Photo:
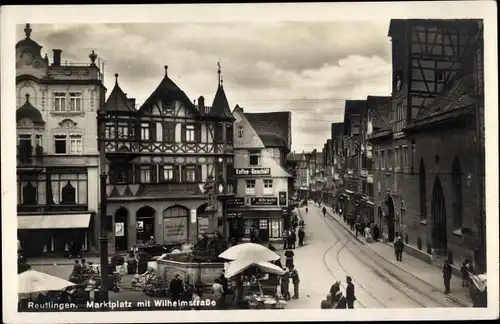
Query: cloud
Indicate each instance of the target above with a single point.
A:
(308, 68)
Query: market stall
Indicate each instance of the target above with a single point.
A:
(253, 276)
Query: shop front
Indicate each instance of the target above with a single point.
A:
(53, 234)
(260, 215)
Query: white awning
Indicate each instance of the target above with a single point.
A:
(348, 191)
(53, 221)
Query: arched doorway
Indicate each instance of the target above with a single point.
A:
(175, 224)
(456, 176)
(422, 190)
(438, 210)
(145, 224)
(121, 229)
(391, 232)
(204, 219)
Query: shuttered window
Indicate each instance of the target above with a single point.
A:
(169, 132)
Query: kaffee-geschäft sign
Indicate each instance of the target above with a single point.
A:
(252, 171)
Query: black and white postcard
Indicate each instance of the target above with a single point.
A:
(250, 162)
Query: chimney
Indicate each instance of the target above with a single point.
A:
(57, 57)
(201, 104)
(132, 102)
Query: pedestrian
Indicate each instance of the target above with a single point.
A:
(301, 222)
(324, 211)
(376, 232)
(176, 288)
(285, 284)
(225, 285)
(285, 239)
(301, 235)
(335, 288)
(327, 303)
(357, 225)
(447, 276)
(398, 248)
(349, 292)
(218, 293)
(289, 239)
(295, 280)
(289, 258)
(294, 238)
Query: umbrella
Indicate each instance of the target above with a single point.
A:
(32, 281)
(239, 266)
(249, 252)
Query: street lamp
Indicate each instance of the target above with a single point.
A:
(103, 239)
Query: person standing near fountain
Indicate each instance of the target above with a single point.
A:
(176, 288)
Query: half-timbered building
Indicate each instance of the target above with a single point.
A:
(159, 158)
(429, 153)
(57, 156)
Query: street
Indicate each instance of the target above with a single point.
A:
(331, 253)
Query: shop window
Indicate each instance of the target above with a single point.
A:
(263, 223)
(276, 228)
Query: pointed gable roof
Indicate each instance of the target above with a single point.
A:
(28, 111)
(379, 108)
(220, 106)
(117, 100)
(168, 88)
(273, 127)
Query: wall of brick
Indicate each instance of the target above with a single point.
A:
(404, 186)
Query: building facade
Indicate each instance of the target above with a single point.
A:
(353, 115)
(262, 142)
(339, 196)
(430, 189)
(57, 156)
(160, 158)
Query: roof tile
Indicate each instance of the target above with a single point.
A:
(272, 123)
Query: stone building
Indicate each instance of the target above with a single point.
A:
(57, 156)
(429, 168)
(160, 158)
(262, 142)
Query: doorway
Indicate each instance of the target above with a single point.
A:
(390, 219)
(145, 224)
(264, 230)
(121, 229)
(438, 210)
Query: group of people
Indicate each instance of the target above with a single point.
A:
(335, 298)
(184, 291)
(369, 230)
(296, 231)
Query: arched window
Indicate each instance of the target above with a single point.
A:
(175, 224)
(422, 191)
(456, 175)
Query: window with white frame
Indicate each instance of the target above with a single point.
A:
(59, 101)
(268, 186)
(75, 144)
(190, 133)
(168, 172)
(250, 187)
(75, 102)
(254, 159)
(145, 172)
(190, 173)
(145, 131)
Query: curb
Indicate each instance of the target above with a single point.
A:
(347, 230)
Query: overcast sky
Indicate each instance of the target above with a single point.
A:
(306, 68)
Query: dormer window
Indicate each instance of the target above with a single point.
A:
(240, 132)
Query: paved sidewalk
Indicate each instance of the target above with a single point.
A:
(426, 272)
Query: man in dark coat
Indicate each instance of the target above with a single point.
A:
(398, 249)
(447, 276)
(224, 282)
(294, 274)
(176, 287)
(349, 293)
(301, 235)
(294, 238)
(289, 258)
(285, 284)
(324, 211)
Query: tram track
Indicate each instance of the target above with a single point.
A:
(398, 283)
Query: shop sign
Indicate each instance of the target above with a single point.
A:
(234, 214)
(264, 201)
(192, 216)
(120, 229)
(252, 171)
(203, 225)
(282, 198)
(174, 229)
(235, 201)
